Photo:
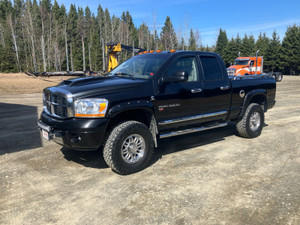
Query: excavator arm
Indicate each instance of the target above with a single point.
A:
(112, 49)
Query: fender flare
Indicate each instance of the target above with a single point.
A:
(131, 105)
(249, 96)
(137, 105)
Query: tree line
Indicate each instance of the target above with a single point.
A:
(41, 36)
(278, 55)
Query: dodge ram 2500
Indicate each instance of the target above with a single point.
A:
(152, 96)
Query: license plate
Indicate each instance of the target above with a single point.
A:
(45, 135)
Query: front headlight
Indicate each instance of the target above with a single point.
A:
(90, 107)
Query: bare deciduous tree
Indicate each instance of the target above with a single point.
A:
(13, 34)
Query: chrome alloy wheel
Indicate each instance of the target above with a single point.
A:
(255, 121)
(133, 148)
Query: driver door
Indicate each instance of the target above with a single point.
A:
(178, 102)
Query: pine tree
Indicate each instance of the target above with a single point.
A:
(133, 36)
(231, 52)
(102, 41)
(290, 51)
(272, 59)
(168, 36)
(75, 39)
(262, 44)
(221, 43)
(192, 41)
(248, 46)
(81, 26)
(107, 26)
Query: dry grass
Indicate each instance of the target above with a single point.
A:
(20, 83)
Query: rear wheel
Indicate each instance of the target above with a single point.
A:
(250, 126)
(128, 148)
(279, 78)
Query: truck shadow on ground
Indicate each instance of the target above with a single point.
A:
(18, 128)
(166, 146)
(93, 159)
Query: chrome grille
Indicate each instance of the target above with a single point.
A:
(230, 72)
(56, 105)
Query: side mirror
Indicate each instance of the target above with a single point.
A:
(179, 76)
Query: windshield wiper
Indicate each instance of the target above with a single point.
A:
(123, 74)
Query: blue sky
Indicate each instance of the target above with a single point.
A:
(208, 16)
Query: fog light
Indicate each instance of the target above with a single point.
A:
(76, 139)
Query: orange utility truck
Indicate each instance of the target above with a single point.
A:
(252, 65)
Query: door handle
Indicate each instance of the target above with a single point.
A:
(197, 90)
(224, 88)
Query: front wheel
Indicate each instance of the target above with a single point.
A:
(128, 148)
(251, 125)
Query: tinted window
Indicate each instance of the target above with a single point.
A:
(211, 67)
(188, 64)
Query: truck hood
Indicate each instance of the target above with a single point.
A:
(237, 67)
(99, 85)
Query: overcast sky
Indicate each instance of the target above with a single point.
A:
(208, 16)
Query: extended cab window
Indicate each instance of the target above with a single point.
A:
(211, 68)
(188, 64)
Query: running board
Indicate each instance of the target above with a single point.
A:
(192, 130)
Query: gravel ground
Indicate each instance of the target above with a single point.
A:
(213, 177)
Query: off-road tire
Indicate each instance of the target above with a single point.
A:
(112, 152)
(243, 125)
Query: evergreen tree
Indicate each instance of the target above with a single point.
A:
(133, 36)
(107, 26)
(192, 41)
(262, 44)
(75, 39)
(81, 26)
(290, 51)
(231, 52)
(248, 46)
(168, 36)
(272, 59)
(221, 43)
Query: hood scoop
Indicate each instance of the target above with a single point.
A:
(82, 81)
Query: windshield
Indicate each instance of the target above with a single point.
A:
(241, 62)
(141, 66)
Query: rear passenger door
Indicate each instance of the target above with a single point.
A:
(216, 89)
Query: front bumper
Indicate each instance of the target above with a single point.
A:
(75, 133)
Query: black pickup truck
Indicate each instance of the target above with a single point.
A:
(152, 96)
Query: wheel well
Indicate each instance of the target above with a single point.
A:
(140, 115)
(261, 100)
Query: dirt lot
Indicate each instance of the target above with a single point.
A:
(213, 177)
(20, 83)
